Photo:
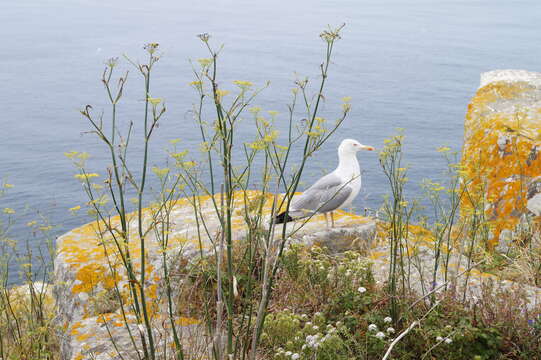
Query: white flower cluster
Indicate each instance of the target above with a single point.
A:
(447, 340)
(353, 266)
(315, 341)
(381, 334)
(289, 354)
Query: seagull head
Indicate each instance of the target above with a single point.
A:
(350, 146)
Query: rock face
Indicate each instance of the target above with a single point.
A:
(502, 145)
(461, 275)
(88, 270)
(534, 196)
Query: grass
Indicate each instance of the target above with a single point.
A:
(319, 294)
(27, 310)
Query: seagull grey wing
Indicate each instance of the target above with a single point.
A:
(326, 182)
(327, 194)
(334, 198)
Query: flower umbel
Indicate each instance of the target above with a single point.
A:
(204, 37)
(331, 35)
(74, 209)
(243, 84)
(151, 47)
(154, 101)
(85, 176)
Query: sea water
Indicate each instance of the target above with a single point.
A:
(405, 64)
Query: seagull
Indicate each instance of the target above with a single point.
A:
(333, 191)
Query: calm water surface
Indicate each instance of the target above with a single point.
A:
(406, 64)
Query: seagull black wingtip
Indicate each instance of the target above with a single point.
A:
(281, 218)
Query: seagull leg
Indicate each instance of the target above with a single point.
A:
(326, 220)
(332, 218)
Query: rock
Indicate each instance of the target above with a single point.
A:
(337, 240)
(534, 196)
(504, 241)
(88, 269)
(501, 146)
(493, 76)
(21, 297)
(420, 265)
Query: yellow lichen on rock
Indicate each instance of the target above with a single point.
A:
(186, 321)
(501, 149)
(89, 266)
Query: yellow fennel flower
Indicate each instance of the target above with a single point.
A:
(221, 93)
(161, 173)
(444, 149)
(242, 84)
(85, 176)
(204, 62)
(154, 101)
(75, 209)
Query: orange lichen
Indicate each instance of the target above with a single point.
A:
(89, 276)
(501, 152)
(95, 255)
(187, 321)
(83, 337)
(75, 327)
(103, 318)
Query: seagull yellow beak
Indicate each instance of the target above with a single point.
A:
(369, 148)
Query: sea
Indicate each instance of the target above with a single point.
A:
(406, 64)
